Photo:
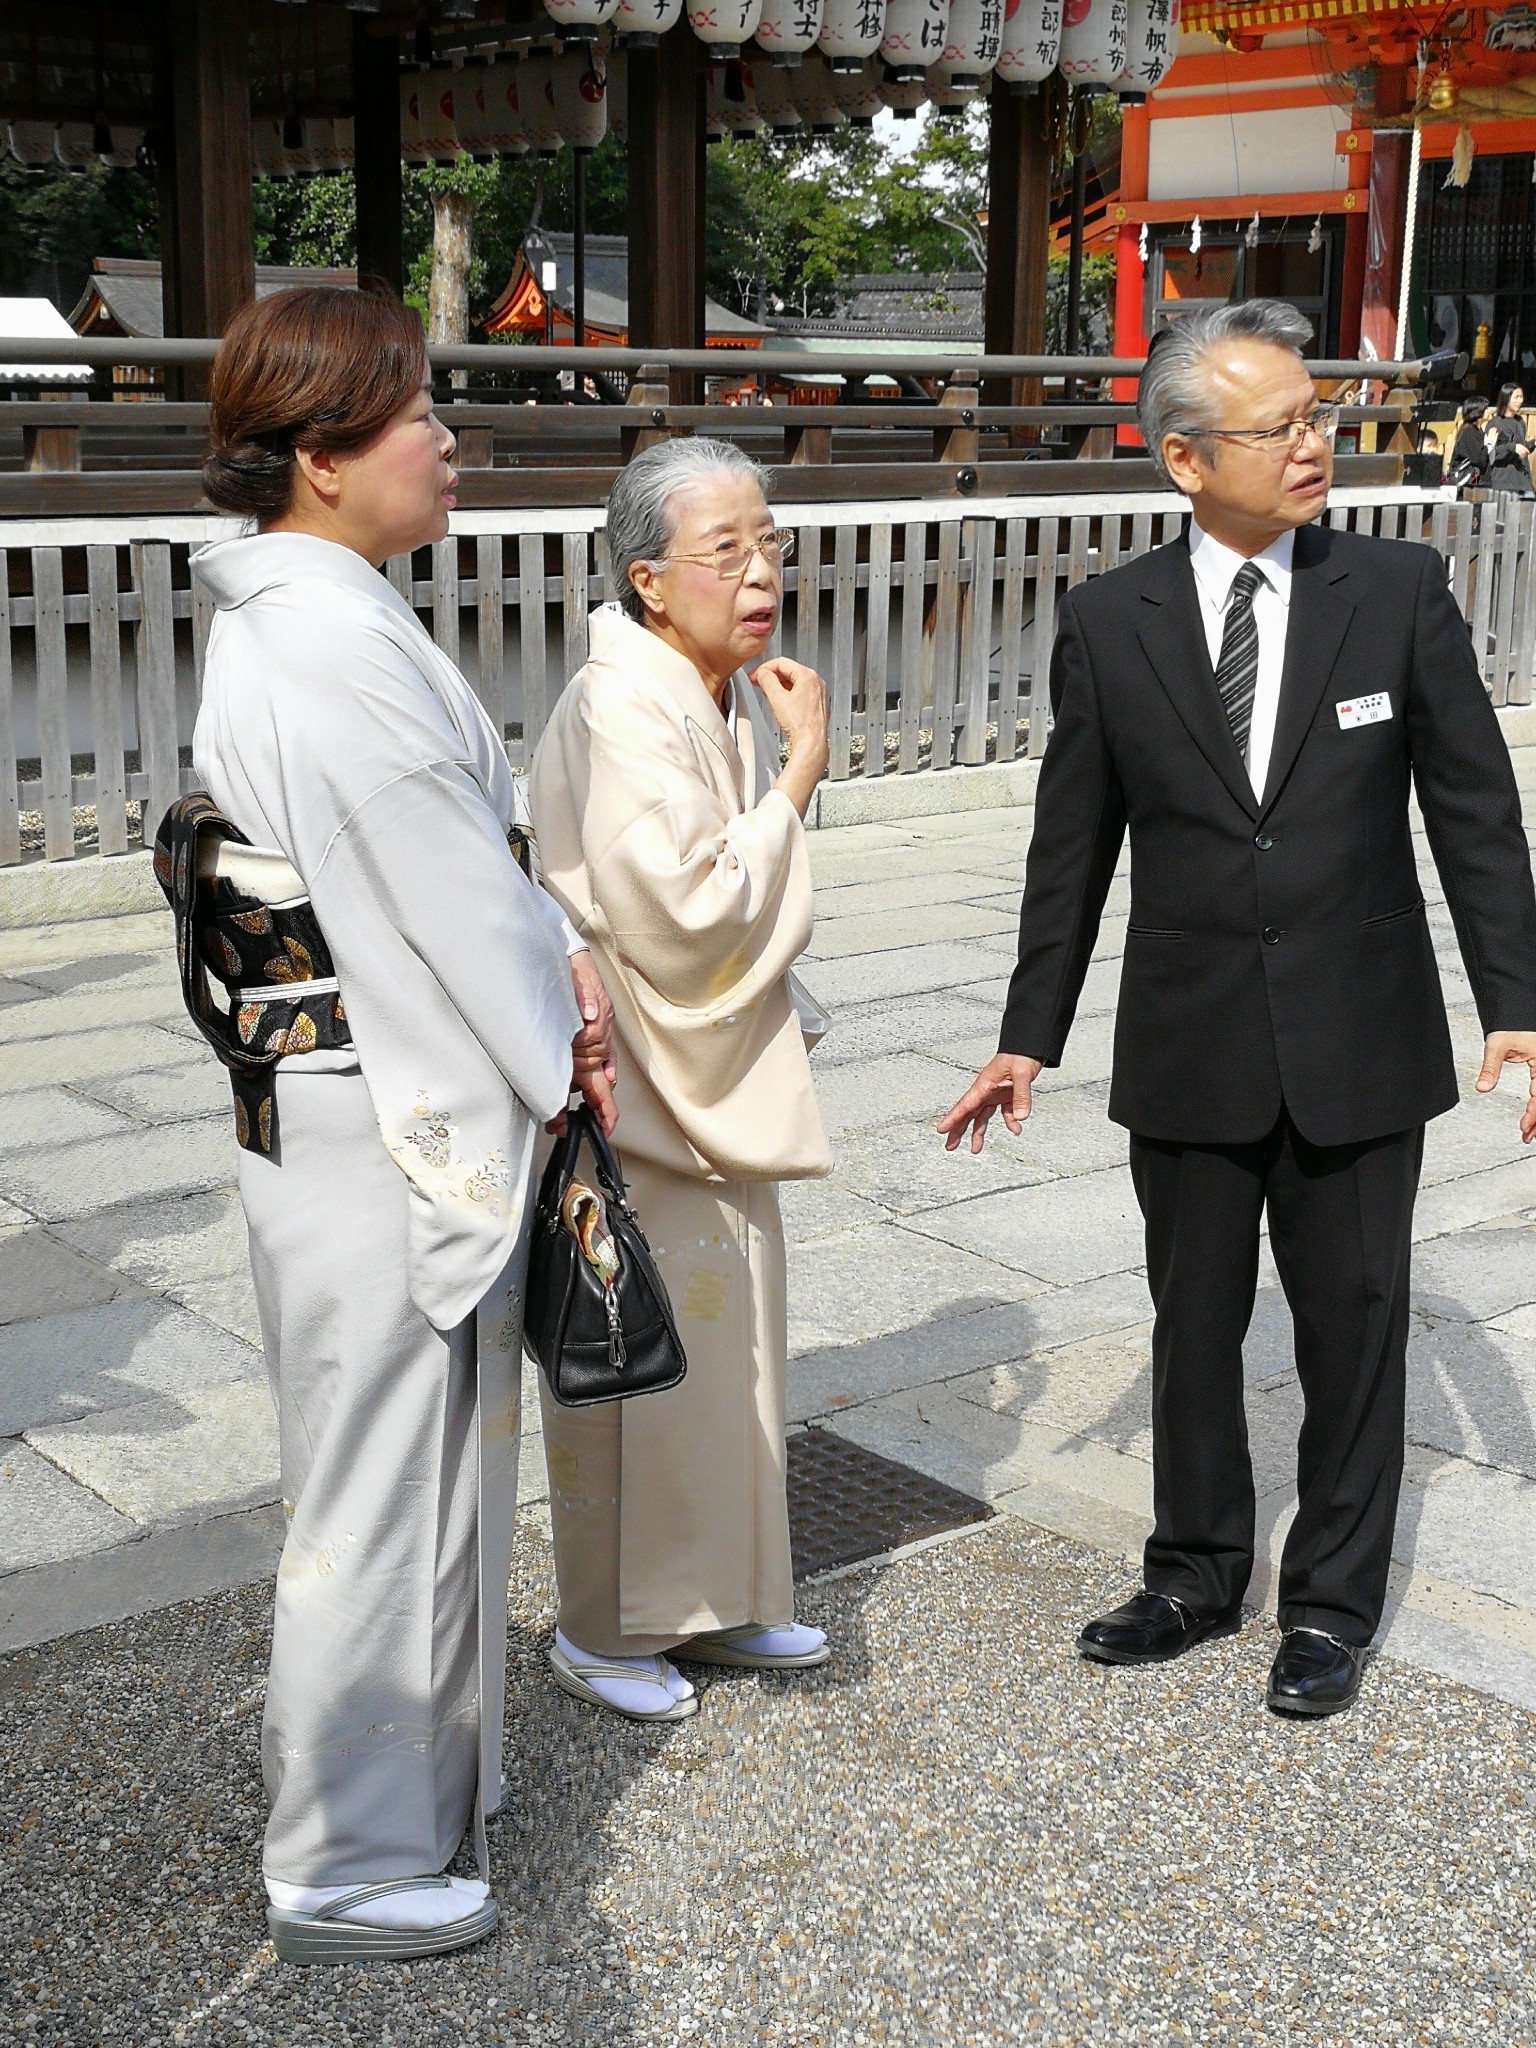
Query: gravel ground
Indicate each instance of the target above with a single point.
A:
(956, 1833)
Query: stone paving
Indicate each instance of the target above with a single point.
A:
(984, 1319)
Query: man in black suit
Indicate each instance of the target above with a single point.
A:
(1254, 704)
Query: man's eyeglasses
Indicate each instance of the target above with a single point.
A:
(729, 558)
(1322, 420)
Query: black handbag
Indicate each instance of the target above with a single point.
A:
(597, 1317)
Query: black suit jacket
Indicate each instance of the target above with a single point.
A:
(1278, 948)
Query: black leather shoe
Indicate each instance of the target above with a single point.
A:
(1152, 1627)
(1314, 1673)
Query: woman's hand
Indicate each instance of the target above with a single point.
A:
(594, 1064)
(797, 700)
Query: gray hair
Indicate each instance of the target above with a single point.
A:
(641, 523)
(1173, 398)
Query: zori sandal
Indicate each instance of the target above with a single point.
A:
(750, 1648)
(574, 1675)
(324, 1937)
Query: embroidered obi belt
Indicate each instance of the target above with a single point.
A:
(270, 958)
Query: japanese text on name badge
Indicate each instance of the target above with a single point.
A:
(1364, 710)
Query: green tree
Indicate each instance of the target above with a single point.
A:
(306, 221)
(53, 221)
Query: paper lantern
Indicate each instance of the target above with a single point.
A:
(775, 101)
(413, 148)
(972, 49)
(581, 98)
(915, 34)
(858, 93)
(788, 28)
(267, 153)
(646, 21)
(851, 30)
(724, 25)
(1093, 41)
(811, 85)
(717, 124)
(434, 108)
(497, 119)
(904, 95)
(948, 95)
(323, 150)
(72, 145)
(580, 20)
(1152, 43)
(536, 98)
(32, 143)
(738, 100)
(730, 103)
(126, 144)
(1031, 43)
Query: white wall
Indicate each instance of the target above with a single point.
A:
(1222, 156)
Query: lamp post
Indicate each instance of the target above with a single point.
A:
(549, 277)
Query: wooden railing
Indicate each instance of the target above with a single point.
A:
(932, 622)
(947, 437)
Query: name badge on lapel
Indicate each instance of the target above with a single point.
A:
(1372, 710)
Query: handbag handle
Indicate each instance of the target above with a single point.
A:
(581, 1124)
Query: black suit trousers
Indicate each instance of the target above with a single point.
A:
(1340, 1222)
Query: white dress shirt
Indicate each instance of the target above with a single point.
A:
(1216, 567)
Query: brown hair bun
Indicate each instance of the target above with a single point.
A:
(312, 367)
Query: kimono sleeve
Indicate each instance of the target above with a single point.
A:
(422, 864)
(709, 905)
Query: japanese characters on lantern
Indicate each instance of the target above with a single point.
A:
(915, 34)
(788, 28)
(974, 45)
(1093, 41)
(724, 24)
(1031, 42)
(1152, 43)
(851, 30)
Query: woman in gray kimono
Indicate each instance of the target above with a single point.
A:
(386, 1183)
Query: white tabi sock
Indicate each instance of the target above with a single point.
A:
(412, 1910)
(633, 1698)
(792, 1640)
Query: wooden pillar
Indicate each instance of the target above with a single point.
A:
(1130, 334)
(209, 270)
(666, 198)
(376, 162)
(1347, 274)
(1391, 154)
(1018, 239)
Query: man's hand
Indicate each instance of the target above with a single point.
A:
(1500, 1049)
(1003, 1083)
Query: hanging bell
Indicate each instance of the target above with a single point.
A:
(1443, 94)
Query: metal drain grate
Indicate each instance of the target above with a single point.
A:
(846, 1503)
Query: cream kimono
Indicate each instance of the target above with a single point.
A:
(687, 873)
(334, 731)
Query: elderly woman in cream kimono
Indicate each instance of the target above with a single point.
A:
(676, 845)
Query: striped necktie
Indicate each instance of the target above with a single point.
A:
(1237, 672)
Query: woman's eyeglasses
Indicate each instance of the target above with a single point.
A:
(729, 558)
(1323, 420)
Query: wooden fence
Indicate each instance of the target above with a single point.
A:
(932, 623)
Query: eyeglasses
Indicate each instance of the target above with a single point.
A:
(1323, 420)
(729, 559)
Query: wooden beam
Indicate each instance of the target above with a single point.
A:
(376, 164)
(666, 197)
(214, 273)
(1018, 239)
